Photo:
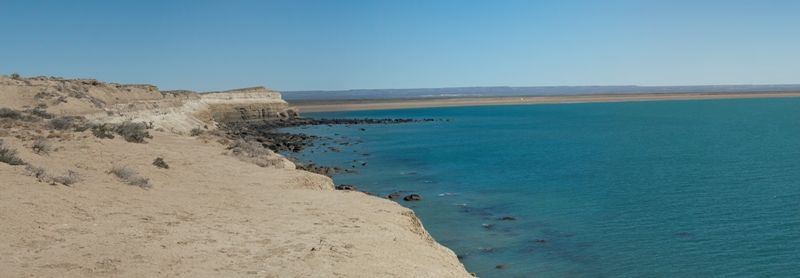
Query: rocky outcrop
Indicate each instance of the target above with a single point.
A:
(246, 104)
(178, 111)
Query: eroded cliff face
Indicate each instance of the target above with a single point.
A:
(269, 219)
(177, 111)
(246, 104)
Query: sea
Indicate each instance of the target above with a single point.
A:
(700, 188)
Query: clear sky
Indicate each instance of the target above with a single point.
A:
(340, 44)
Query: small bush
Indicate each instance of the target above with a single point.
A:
(131, 177)
(41, 146)
(62, 123)
(196, 131)
(103, 131)
(10, 114)
(41, 113)
(160, 163)
(41, 174)
(130, 131)
(69, 179)
(9, 155)
(255, 153)
(133, 132)
(38, 172)
(15, 75)
(7, 113)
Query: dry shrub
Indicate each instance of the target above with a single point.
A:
(70, 178)
(10, 113)
(9, 155)
(133, 132)
(130, 131)
(62, 123)
(41, 113)
(103, 131)
(38, 172)
(160, 163)
(196, 131)
(254, 152)
(130, 176)
(42, 175)
(41, 146)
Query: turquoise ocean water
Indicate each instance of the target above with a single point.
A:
(637, 189)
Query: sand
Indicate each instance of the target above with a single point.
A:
(382, 104)
(210, 214)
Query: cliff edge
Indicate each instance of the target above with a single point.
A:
(88, 194)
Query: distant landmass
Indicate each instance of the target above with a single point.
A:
(526, 91)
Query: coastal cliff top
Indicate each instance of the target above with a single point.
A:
(120, 195)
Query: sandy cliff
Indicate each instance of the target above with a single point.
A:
(210, 214)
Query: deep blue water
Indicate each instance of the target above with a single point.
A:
(638, 189)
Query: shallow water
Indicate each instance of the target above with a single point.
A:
(636, 189)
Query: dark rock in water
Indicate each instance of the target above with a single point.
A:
(345, 187)
(487, 226)
(363, 164)
(362, 129)
(322, 170)
(264, 131)
(393, 195)
(506, 218)
(539, 240)
(461, 257)
(487, 250)
(412, 197)
(500, 266)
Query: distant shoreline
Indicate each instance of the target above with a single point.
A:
(386, 104)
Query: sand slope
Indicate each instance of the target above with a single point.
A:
(208, 215)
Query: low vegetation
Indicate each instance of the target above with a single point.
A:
(160, 163)
(40, 112)
(70, 178)
(130, 176)
(133, 132)
(42, 175)
(8, 155)
(196, 131)
(41, 146)
(255, 153)
(63, 123)
(38, 172)
(30, 115)
(130, 131)
(103, 131)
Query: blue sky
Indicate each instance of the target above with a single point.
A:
(339, 44)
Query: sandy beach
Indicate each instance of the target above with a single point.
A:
(381, 104)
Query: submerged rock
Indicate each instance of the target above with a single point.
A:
(393, 195)
(412, 197)
(506, 218)
(345, 187)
